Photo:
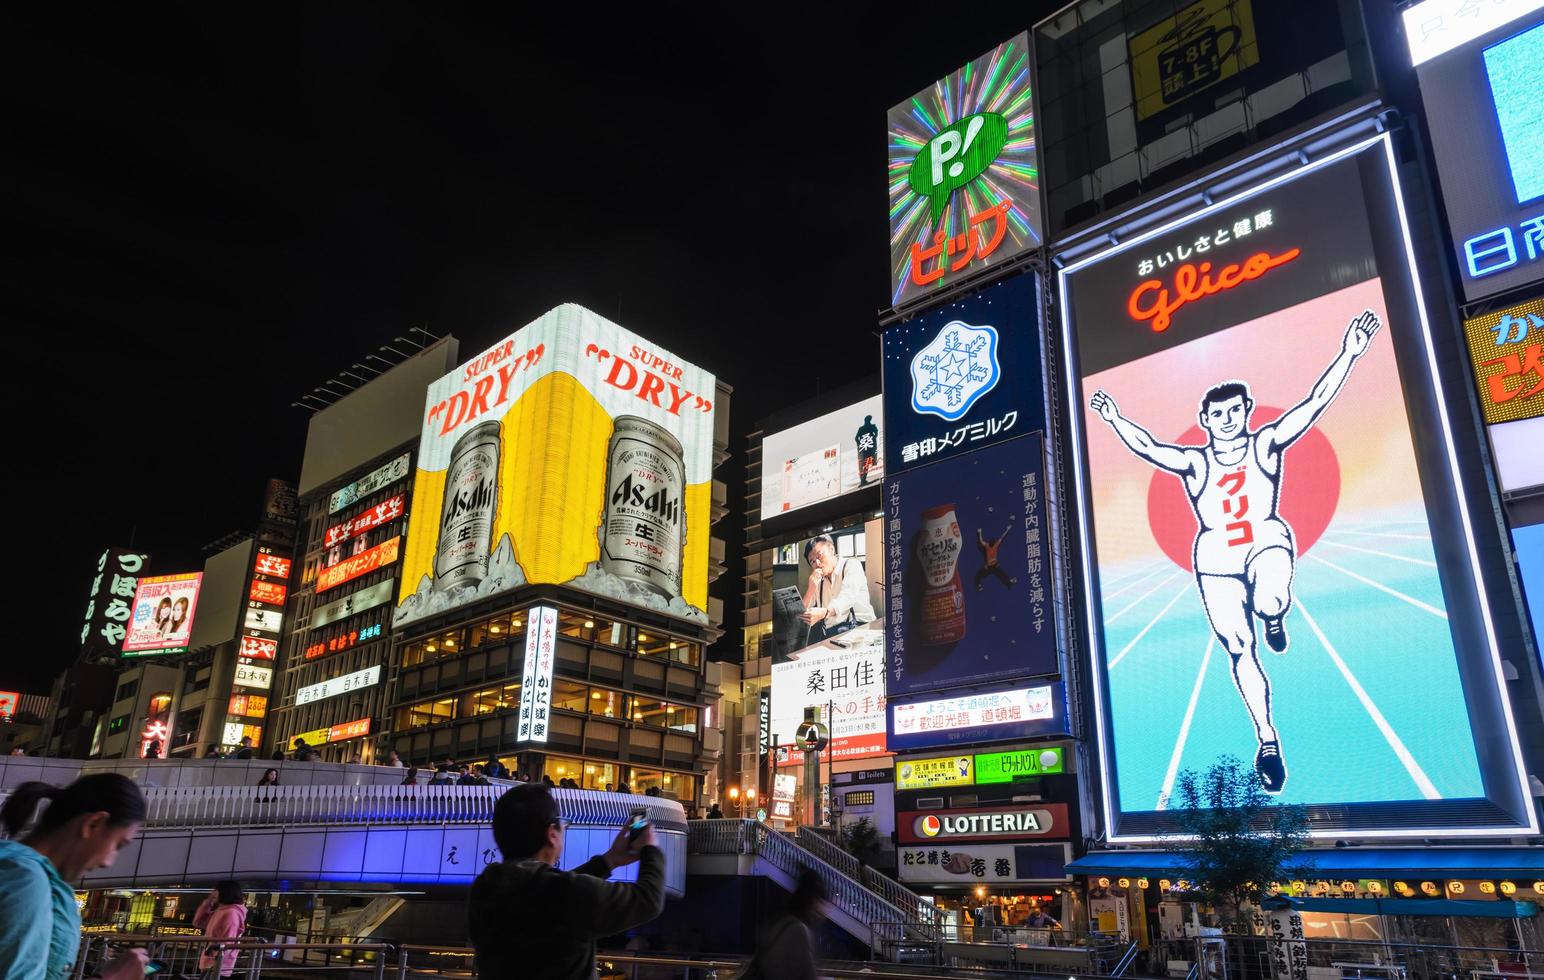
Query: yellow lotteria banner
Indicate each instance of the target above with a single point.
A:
(572, 452)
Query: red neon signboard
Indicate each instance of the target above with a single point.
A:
(364, 563)
(1193, 283)
(381, 513)
(269, 592)
(258, 648)
(275, 565)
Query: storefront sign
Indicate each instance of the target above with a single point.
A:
(989, 823)
(235, 731)
(987, 716)
(343, 642)
(364, 563)
(1202, 45)
(536, 676)
(951, 770)
(269, 592)
(333, 733)
(1506, 350)
(110, 602)
(249, 705)
(378, 479)
(1006, 767)
(248, 675)
(263, 620)
(1435, 27)
(274, 566)
(972, 864)
(382, 513)
(332, 687)
(885, 775)
(258, 648)
(355, 602)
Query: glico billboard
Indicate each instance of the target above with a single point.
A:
(573, 452)
(1269, 476)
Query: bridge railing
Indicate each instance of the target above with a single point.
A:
(889, 889)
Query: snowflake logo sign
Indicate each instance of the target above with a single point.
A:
(954, 371)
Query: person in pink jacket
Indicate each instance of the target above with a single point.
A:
(223, 915)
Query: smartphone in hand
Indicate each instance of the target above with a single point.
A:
(637, 823)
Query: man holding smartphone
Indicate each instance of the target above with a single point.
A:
(528, 919)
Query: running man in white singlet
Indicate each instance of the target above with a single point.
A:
(1244, 551)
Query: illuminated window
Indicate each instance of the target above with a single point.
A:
(426, 713)
(118, 724)
(862, 797)
(559, 768)
(663, 714)
(568, 696)
(608, 704)
(489, 700)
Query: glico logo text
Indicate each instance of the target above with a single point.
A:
(1192, 283)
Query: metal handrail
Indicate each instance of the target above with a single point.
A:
(888, 888)
(184, 951)
(849, 894)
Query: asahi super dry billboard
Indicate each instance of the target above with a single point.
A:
(573, 452)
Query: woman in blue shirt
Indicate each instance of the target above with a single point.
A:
(84, 826)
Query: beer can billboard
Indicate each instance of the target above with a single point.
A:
(573, 452)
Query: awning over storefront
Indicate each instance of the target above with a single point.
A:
(1349, 862)
(1406, 906)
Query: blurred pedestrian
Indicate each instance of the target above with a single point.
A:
(278, 755)
(301, 748)
(714, 813)
(153, 750)
(442, 775)
(222, 915)
(411, 779)
(494, 769)
(528, 919)
(394, 760)
(245, 751)
(787, 950)
(213, 753)
(270, 778)
(83, 828)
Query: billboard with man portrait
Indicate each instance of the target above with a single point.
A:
(1280, 557)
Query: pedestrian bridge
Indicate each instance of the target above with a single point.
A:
(341, 824)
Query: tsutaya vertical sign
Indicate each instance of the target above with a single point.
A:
(536, 678)
(964, 174)
(574, 452)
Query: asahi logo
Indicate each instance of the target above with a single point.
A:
(978, 824)
(660, 503)
(468, 502)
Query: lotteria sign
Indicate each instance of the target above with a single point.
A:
(996, 824)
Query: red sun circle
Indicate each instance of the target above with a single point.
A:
(1310, 491)
(929, 826)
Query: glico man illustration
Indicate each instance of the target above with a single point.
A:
(1244, 551)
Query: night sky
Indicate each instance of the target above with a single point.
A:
(210, 216)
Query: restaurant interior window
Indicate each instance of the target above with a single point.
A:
(600, 776)
(413, 654)
(560, 768)
(609, 704)
(491, 699)
(503, 626)
(652, 644)
(577, 625)
(426, 713)
(568, 696)
(611, 632)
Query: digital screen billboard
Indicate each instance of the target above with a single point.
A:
(1528, 542)
(1506, 350)
(964, 177)
(967, 541)
(1485, 113)
(978, 716)
(822, 459)
(574, 452)
(1259, 539)
(162, 621)
(963, 376)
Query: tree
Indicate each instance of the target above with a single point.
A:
(861, 839)
(1235, 838)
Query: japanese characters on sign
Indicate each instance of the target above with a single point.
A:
(343, 641)
(377, 479)
(967, 539)
(363, 563)
(258, 648)
(1202, 45)
(536, 676)
(845, 675)
(8, 702)
(1289, 445)
(272, 566)
(1507, 351)
(384, 512)
(1483, 110)
(270, 593)
(1435, 27)
(970, 864)
(234, 731)
(162, 621)
(574, 452)
(1007, 767)
(110, 600)
(963, 174)
(822, 459)
(949, 770)
(332, 687)
(248, 705)
(250, 675)
(333, 733)
(1013, 713)
(963, 376)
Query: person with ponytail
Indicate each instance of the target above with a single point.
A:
(82, 828)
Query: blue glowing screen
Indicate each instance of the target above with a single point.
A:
(1516, 70)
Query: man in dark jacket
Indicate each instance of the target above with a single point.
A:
(527, 919)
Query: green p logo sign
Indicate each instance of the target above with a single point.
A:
(956, 156)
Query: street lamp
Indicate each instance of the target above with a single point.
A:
(750, 798)
(734, 794)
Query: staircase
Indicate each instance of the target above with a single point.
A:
(868, 906)
(363, 921)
